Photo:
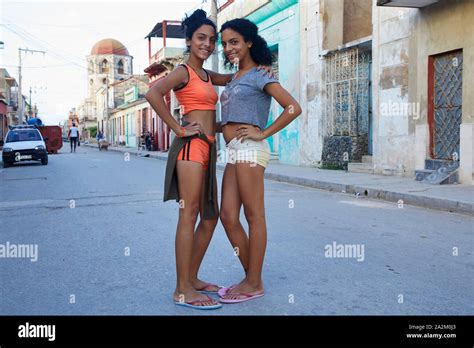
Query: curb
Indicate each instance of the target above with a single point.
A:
(443, 204)
(434, 203)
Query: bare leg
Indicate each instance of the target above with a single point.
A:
(230, 216)
(251, 189)
(202, 238)
(189, 183)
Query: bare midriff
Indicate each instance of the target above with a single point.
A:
(230, 130)
(206, 118)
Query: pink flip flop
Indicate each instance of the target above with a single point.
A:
(246, 297)
(222, 291)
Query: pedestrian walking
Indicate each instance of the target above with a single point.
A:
(99, 137)
(73, 136)
(147, 141)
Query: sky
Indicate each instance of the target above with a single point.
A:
(66, 31)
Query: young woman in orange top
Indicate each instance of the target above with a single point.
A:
(193, 88)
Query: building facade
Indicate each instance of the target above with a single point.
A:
(279, 25)
(422, 87)
(8, 102)
(162, 62)
(126, 119)
(108, 62)
(383, 84)
(8, 105)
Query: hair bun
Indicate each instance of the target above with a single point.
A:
(199, 14)
(194, 21)
(196, 15)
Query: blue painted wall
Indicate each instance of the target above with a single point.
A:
(279, 24)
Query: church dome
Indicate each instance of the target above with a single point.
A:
(109, 46)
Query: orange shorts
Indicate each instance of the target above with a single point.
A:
(197, 150)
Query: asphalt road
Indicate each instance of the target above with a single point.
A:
(105, 245)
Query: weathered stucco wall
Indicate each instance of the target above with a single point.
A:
(312, 84)
(391, 41)
(332, 16)
(281, 30)
(357, 19)
(444, 27)
(239, 9)
(403, 40)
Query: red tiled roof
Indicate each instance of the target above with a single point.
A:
(109, 46)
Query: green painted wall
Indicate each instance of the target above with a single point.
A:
(279, 25)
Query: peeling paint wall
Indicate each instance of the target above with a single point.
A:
(403, 40)
(312, 17)
(332, 16)
(280, 29)
(239, 9)
(393, 138)
(357, 19)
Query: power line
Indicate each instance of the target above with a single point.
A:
(35, 67)
(24, 34)
(57, 55)
(44, 44)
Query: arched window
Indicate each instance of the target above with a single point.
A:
(104, 67)
(120, 67)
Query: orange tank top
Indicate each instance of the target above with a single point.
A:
(197, 94)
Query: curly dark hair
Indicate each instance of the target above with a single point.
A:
(260, 52)
(195, 21)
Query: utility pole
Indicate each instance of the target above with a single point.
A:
(213, 17)
(20, 95)
(215, 58)
(31, 105)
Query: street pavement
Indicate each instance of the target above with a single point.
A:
(105, 246)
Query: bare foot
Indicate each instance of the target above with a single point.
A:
(199, 285)
(244, 287)
(191, 295)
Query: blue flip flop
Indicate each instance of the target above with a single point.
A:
(195, 304)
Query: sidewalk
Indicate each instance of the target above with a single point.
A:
(453, 198)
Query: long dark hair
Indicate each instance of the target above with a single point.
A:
(260, 52)
(195, 21)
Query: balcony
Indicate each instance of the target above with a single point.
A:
(87, 119)
(166, 54)
(12, 106)
(169, 55)
(406, 3)
(165, 58)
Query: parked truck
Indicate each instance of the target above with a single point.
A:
(52, 135)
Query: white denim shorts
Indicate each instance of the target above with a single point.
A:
(248, 151)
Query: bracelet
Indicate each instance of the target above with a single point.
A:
(181, 133)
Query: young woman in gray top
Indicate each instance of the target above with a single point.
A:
(245, 109)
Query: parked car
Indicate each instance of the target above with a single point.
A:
(24, 143)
